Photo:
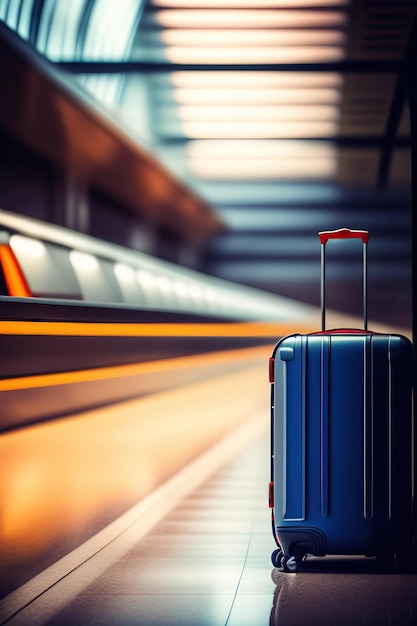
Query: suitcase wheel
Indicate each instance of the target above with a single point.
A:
(290, 563)
(276, 557)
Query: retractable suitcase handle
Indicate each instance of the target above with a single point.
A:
(344, 233)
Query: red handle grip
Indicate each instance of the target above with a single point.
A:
(343, 233)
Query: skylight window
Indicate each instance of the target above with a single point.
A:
(217, 105)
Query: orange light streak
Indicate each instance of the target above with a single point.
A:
(132, 369)
(94, 329)
(15, 281)
(59, 478)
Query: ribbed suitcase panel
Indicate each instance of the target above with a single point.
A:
(324, 424)
(290, 425)
(342, 439)
(368, 427)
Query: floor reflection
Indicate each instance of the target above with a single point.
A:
(63, 480)
(344, 592)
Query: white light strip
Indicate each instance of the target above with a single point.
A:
(235, 18)
(83, 261)
(247, 4)
(261, 130)
(261, 55)
(261, 169)
(273, 113)
(255, 80)
(260, 160)
(27, 246)
(258, 149)
(124, 273)
(248, 38)
(257, 96)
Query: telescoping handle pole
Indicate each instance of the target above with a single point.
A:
(344, 233)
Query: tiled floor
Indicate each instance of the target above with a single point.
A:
(207, 563)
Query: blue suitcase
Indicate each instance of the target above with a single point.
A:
(341, 440)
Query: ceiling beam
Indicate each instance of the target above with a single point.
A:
(146, 67)
(41, 110)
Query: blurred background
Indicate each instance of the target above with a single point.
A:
(165, 168)
(220, 135)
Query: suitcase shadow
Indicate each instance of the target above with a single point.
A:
(332, 564)
(332, 591)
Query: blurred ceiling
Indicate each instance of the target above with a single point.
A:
(286, 116)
